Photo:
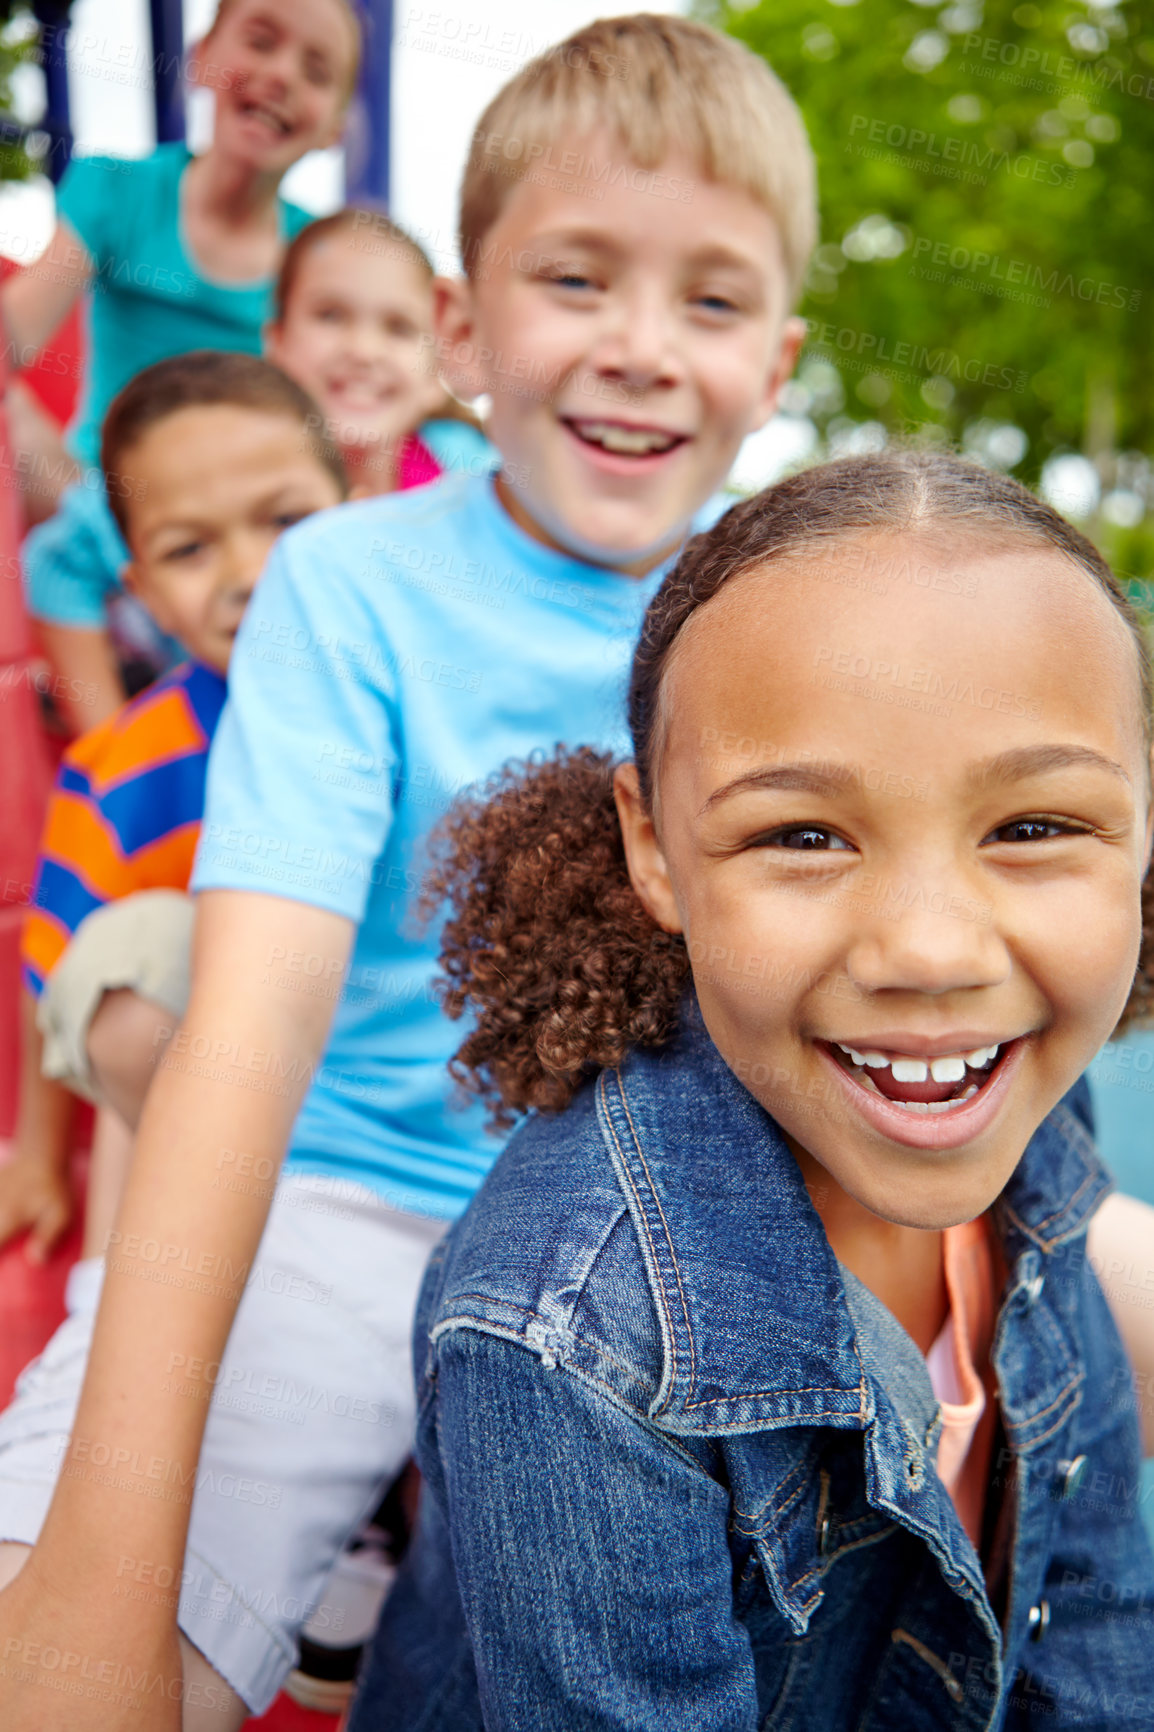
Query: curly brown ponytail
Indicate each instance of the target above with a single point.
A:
(547, 942)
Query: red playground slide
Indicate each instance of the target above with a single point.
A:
(32, 1297)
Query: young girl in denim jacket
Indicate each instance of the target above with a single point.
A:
(766, 1383)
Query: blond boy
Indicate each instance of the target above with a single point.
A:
(396, 651)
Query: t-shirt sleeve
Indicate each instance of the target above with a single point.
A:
(81, 867)
(89, 197)
(306, 742)
(73, 560)
(294, 218)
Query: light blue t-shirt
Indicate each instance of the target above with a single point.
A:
(73, 560)
(396, 652)
(148, 298)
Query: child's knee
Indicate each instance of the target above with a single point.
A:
(209, 1703)
(129, 959)
(126, 1038)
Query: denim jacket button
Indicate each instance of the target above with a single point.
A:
(1071, 1474)
(1039, 1620)
(1033, 1288)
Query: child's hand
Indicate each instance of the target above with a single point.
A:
(35, 1196)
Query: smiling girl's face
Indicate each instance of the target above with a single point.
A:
(357, 334)
(902, 820)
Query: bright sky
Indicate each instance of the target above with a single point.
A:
(446, 66)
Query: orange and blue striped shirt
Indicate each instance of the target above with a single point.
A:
(126, 811)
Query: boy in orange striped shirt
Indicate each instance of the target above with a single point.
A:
(207, 456)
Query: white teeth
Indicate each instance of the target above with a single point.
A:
(872, 1060)
(937, 1106)
(950, 1068)
(631, 441)
(909, 1070)
(273, 121)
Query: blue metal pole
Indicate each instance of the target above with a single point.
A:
(52, 18)
(167, 20)
(368, 162)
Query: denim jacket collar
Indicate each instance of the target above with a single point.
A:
(729, 1240)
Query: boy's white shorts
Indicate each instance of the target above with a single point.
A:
(313, 1413)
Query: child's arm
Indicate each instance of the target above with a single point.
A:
(72, 564)
(1121, 1244)
(35, 1188)
(86, 687)
(36, 301)
(178, 1263)
(48, 468)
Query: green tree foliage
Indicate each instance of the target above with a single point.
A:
(19, 156)
(986, 272)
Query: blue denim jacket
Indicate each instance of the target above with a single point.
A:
(679, 1462)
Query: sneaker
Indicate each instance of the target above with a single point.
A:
(333, 1640)
(326, 1671)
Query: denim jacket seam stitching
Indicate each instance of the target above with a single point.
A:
(799, 1471)
(669, 1441)
(1074, 1384)
(591, 1346)
(632, 1183)
(769, 1519)
(610, 1394)
(802, 1582)
(1075, 1132)
(937, 1539)
(586, 1377)
(1049, 1431)
(485, 1326)
(1037, 1230)
(604, 1352)
(850, 1528)
(837, 1551)
(665, 1225)
(460, 1318)
(767, 1394)
(492, 1299)
(576, 1340)
(793, 1589)
(578, 1291)
(482, 1326)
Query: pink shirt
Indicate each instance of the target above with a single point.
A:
(416, 464)
(960, 1370)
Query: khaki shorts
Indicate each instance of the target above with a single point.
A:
(143, 942)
